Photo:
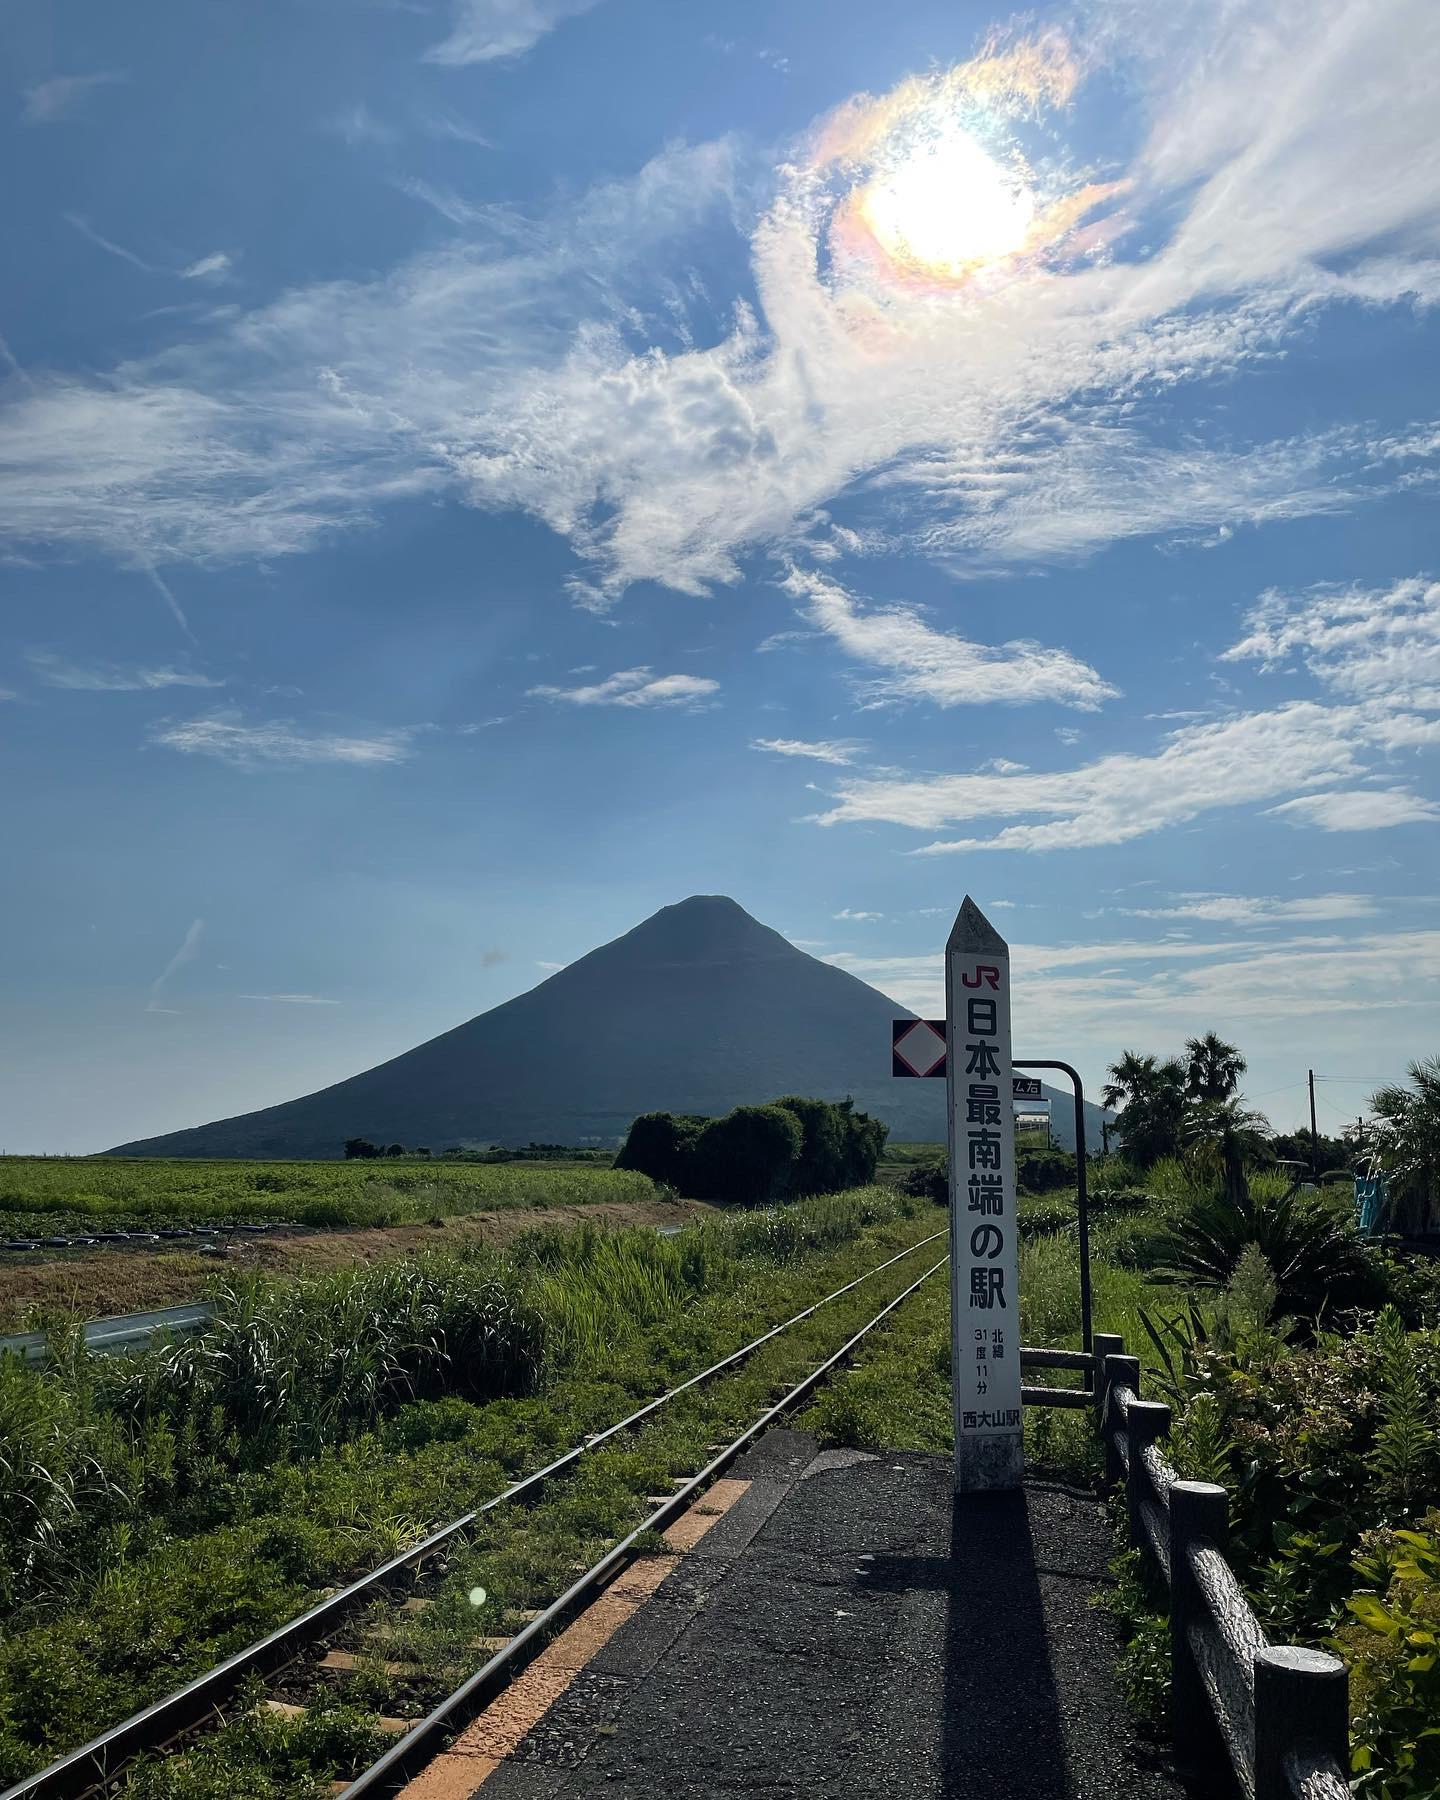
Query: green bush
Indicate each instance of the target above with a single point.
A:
(1390, 1644)
(660, 1145)
(751, 1154)
(1319, 1261)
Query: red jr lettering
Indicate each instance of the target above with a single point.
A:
(984, 976)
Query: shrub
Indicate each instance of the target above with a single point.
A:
(1042, 1171)
(747, 1156)
(1390, 1645)
(1312, 1247)
(659, 1145)
(841, 1147)
(750, 1154)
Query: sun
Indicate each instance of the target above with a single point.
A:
(946, 207)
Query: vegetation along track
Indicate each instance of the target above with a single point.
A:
(297, 1656)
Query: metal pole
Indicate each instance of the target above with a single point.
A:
(1314, 1133)
(1082, 1190)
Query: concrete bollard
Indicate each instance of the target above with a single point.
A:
(1145, 1422)
(1302, 1697)
(1120, 1371)
(1106, 1343)
(1198, 1510)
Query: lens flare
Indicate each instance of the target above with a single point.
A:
(930, 189)
(947, 206)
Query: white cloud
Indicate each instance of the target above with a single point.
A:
(490, 30)
(189, 949)
(1028, 420)
(279, 744)
(292, 999)
(550, 968)
(846, 912)
(1360, 809)
(299, 420)
(1256, 909)
(634, 687)
(922, 663)
(216, 267)
(56, 671)
(1255, 756)
(357, 125)
(1137, 992)
(1364, 643)
(87, 230)
(63, 95)
(826, 750)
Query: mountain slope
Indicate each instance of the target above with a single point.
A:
(697, 1009)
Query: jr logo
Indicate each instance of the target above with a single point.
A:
(984, 976)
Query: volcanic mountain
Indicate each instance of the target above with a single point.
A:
(699, 1009)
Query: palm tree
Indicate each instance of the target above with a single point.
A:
(1405, 1144)
(1133, 1074)
(1151, 1097)
(1212, 1068)
(1225, 1134)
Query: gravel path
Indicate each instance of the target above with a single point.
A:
(845, 1631)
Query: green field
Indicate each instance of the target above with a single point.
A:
(56, 1194)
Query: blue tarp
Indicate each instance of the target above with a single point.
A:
(1370, 1198)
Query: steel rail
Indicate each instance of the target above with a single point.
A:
(399, 1761)
(94, 1765)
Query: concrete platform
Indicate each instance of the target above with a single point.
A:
(843, 1630)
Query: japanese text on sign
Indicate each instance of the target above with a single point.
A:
(988, 1378)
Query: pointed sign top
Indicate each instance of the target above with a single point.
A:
(973, 931)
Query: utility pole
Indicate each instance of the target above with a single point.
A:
(1314, 1133)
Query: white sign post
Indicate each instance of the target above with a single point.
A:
(984, 1288)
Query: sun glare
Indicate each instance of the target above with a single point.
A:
(947, 207)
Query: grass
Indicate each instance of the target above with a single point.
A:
(156, 1599)
(53, 1194)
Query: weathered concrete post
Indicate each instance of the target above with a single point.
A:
(1120, 1371)
(1106, 1343)
(1146, 1422)
(984, 1270)
(1301, 1703)
(1199, 1512)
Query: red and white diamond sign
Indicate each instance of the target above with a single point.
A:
(917, 1047)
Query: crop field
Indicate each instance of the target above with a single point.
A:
(55, 1194)
(180, 1503)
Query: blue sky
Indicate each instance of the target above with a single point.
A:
(473, 472)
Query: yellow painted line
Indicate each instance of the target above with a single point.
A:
(460, 1771)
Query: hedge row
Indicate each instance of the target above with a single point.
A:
(793, 1146)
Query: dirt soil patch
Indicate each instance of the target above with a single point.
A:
(97, 1284)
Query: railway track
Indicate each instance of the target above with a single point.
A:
(98, 1767)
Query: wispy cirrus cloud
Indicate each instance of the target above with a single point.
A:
(634, 687)
(217, 267)
(921, 663)
(1256, 909)
(1250, 758)
(189, 949)
(64, 95)
(291, 999)
(1024, 420)
(1154, 992)
(825, 750)
(280, 744)
(1358, 809)
(106, 678)
(494, 30)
